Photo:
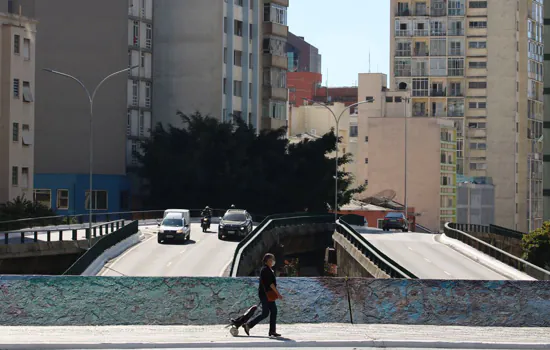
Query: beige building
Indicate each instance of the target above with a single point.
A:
(223, 58)
(479, 63)
(430, 163)
(17, 75)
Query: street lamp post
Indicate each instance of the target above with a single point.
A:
(91, 98)
(337, 121)
(406, 101)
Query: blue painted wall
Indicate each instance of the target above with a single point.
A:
(78, 184)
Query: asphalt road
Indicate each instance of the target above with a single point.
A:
(204, 255)
(421, 254)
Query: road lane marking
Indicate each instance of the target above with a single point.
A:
(225, 267)
(447, 273)
(168, 265)
(121, 256)
(428, 260)
(183, 251)
(410, 248)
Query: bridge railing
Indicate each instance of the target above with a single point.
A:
(101, 246)
(273, 221)
(381, 260)
(455, 231)
(61, 234)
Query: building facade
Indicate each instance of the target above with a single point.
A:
(17, 123)
(69, 43)
(428, 158)
(302, 56)
(302, 85)
(479, 63)
(225, 59)
(546, 122)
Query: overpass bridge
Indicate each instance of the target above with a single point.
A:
(361, 251)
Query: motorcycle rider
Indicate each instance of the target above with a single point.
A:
(207, 213)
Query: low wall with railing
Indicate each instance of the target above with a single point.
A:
(103, 301)
(452, 230)
(500, 237)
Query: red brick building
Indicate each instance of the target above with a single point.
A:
(302, 85)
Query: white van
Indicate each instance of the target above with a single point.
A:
(184, 212)
(174, 226)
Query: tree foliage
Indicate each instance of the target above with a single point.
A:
(536, 246)
(218, 164)
(22, 208)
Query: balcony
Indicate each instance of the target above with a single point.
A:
(439, 32)
(455, 113)
(456, 72)
(438, 93)
(455, 32)
(270, 60)
(455, 93)
(403, 13)
(422, 52)
(419, 113)
(421, 32)
(435, 12)
(275, 29)
(420, 73)
(403, 72)
(403, 53)
(456, 52)
(275, 93)
(403, 33)
(280, 2)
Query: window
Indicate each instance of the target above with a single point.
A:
(477, 65)
(478, 24)
(16, 88)
(274, 46)
(353, 131)
(135, 42)
(25, 177)
(148, 95)
(478, 4)
(478, 125)
(237, 88)
(149, 36)
(99, 200)
(27, 93)
(366, 161)
(224, 85)
(250, 63)
(238, 58)
(275, 13)
(249, 90)
(27, 49)
(366, 139)
(398, 99)
(141, 123)
(225, 55)
(14, 176)
(225, 25)
(478, 166)
(142, 59)
(477, 85)
(239, 2)
(62, 199)
(15, 132)
(43, 197)
(27, 137)
(250, 29)
(481, 105)
(389, 99)
(477, 44)
(238, 28)
(16, 44)
(135, 94)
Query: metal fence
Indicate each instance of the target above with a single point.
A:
(457, 231)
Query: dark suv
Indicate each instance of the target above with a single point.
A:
(235, 223)
(396, 221)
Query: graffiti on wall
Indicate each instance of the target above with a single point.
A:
(78, 301)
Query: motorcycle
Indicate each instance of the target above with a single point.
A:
(205, 224)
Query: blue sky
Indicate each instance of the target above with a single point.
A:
(344, 31)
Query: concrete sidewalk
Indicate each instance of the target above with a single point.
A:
(295, 336)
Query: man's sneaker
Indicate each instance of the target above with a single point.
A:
(274, 334)
(246, 328)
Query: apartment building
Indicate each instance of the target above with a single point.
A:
(427, 157)
(17, 124)
(479, 63)
(546, 123)
(82, 39)
(302, 56)
(225, 59)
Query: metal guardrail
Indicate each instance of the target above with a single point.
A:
(272, 221)
(494, 229)
(453, 230)
(97, 230)
(101, 246)
(384, 263)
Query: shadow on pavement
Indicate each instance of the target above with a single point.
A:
(189, 242)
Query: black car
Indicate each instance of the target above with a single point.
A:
(235, 223)
(396, 221)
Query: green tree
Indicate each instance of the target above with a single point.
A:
(22, 208)
(536, 246)
(213, 163)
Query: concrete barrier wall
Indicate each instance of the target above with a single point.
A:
(77, 301)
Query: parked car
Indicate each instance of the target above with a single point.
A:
(235, 223)
(174, 227)
(396, 221)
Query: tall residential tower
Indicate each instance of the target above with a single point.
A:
(479, 63)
